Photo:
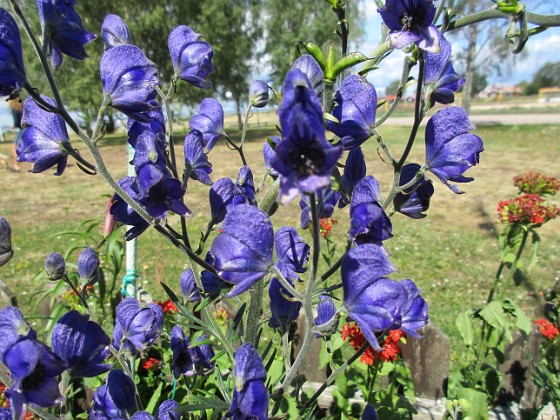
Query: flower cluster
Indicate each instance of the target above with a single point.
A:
(547, 329)
(327, 224)
(389, 350)
(168, 307)
(536, 183)
(527, 209)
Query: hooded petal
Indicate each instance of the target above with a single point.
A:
(114, 31)
(12, 71)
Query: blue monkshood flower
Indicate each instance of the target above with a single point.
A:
(197, 166)
(416, 199)
(167, 410)
(210, 282)
(258, 94)
(246, 184)
(415, 312)
(33, 370)
(203, 354)
(304, 158)
(269, 155)
(6, 414)
(370, 413)
(291, 249)
(368, 221)
(411, 21)
(356, 104)
(189, 289)
(13, 328)
(250, 399)
(282, 306)
(130, 80)
(115, 32)
(123, 213)
(309, 66)
(82, 344)
(137, 327)
(450, 148)
(326, 203)
(6, 251)
(243, 251)
(354, 171)
(12, 70)
(223, 194)
(55, 266)
(374, 302)
(188, 360)
(63, 29)
(209, 120)
(440, 77)
(153, 121)
(158, 191)
(191, 56)
(88, 267)
(326, 310)
(44, 138)
(142, 415)
(115, 399)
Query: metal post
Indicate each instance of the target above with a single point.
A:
(129, 280)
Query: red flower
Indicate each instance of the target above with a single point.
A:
(152, 364)
(527, 209)
(536, 183)
(547, 329)
(168, 307)
(389, 350)
(326, 226)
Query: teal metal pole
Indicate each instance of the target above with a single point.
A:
(129, 280)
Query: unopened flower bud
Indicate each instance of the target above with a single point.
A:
(6, 251)
(88, 267)
(258, 94)
(55, 266)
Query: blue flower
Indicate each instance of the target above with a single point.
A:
(136, 327)
(6, 251)
(13, 328)
(326, 310)
(115, 399)
(88, 266)
(192, 57)
(354, 171)
(82, 344)
(223, 194)
(158, 191)
(368, 221)
(304, 158)
(291, 249)
(115, 32)
(440, 77)
(153, 121)
(63, 29)
(450, 148)
(269, 155)
(309, 66)
(250, 399)
(167, 410)
(142, 415)
(189, 288)
(55, 266)
(411, 21)
(123, 213)
(130, 80)
(374, 302)
(189, 360)
(246, 184)
(258, 94)
(243, 251)
(197, 166)
(44, 139)
(327, 199)
(12, 70)
(356, 104)
(283, 309)
(416, 199)
(209, 120)
(415, 311)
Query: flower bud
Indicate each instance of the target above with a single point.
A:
(258, 94)
(88, 267)
(6, 251)
(55, 266)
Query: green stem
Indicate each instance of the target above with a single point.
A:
(536, 19)
(245, 124)
(254, 311)
(235, 147)
(286, 284)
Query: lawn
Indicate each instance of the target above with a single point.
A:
(452, 254)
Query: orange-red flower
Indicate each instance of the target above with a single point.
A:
(168, 307)
(389, 350)
(547, 329)
(152, 364)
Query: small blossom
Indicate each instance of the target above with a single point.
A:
(355, 107)
(411, 21)
(527, 209)
(246, 184)
(44, 139)
(388, 352)
(187, 360)
(123, 213)
(6, 251)
(12, 77)
(197, 166)
(192, 57)
(326, 310)
(189, 289)
(536, 183)
(168, 307)
(88, 267)
(354, 171)
(258, 94)
(152, 364)
(291, 249)
(547, 329)
(326, 202)
(283, 309)
(114, 399)
(63, 30)
(440, 77)
(55, 266)
(450, 148)
(223, 194)
(137, 327)
(326, 225)
(416, 199)
(209, 120)
(269, 155)
(115, 32)
(151, 120)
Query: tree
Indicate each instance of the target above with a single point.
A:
(393, 87)
(548, 75)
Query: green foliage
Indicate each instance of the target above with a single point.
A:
(548, 75)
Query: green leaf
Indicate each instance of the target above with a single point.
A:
(348, 61)
(522, 321)
(151, 408)
(478, 403)
(324, 356)
(464, 325)
(494, 314)
(202, 403)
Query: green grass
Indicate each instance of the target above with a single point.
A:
(452, 254)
